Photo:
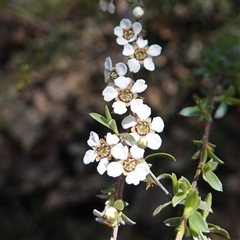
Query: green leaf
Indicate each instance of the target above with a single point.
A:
(118, 204)
(164, 175)
(101, 119)
(205, 206)
(166, 155)
(175, 183)
(187, 212)
(232, 101)
(172, 222)
(214, 157)
(213, 180)
(103, 196)
(221, 110)
(197, 224)
(127, 220)
(179, 197)
(206, 167)
(218, 230)
(192, 199)
(196, 155)
(160, 207)
(107, 113)
(113, 125)
(208, 202)
(190, 111)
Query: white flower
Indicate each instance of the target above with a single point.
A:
(143, 130)
(138, 12)
(127, 32)
(132, 166)
(124, 94)
(107, 6)
(141, 53)
(113, 72)
(101, 150)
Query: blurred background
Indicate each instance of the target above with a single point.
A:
(52, 62)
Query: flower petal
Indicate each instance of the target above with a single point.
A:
(121, 69)
(125, 23)
(121, 41)
(136, 105)
(103, 5)
(137, 152)
(122, 82)
(154, 141)
(139, 86)
(114, 169)
(119, 107)
(109, 93)
(111, 8)
(128, 122)
(154, 50)
(89, 156)
(93, 139)
(141, 171)
(157, 124)
(102, 166)
(118, 31)
(108, 64)
(134, 65)
(144, 112)
(120, 152)
(132, 178)
(137, 28)
(128, 50)
(112, 139)
(148, 64)
(141, 42)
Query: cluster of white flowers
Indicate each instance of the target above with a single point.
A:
(115, 157)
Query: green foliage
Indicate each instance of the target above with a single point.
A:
(202, 110)
(25, 80)
(218, 230)
(107, 121)
(162, 155)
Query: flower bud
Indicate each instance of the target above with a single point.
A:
(111, 214)
(138, 12)
(142, 142)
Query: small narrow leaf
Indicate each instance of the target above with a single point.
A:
(192, 199)
(190, 111)
(172, 222)
(179, 197)
(101, 119)
(218, 230)
(208, 202)
(160, 207)
(221, 110)
(197, 224)
(166, 155)
(174, 183)
(164, 175)
(213, 180)
(119, 205)
(214, 157)
(107, 113)
(196, 155)
(113, 125)
(127, 220)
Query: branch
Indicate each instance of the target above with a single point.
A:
(160, 185)
(119, 195)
